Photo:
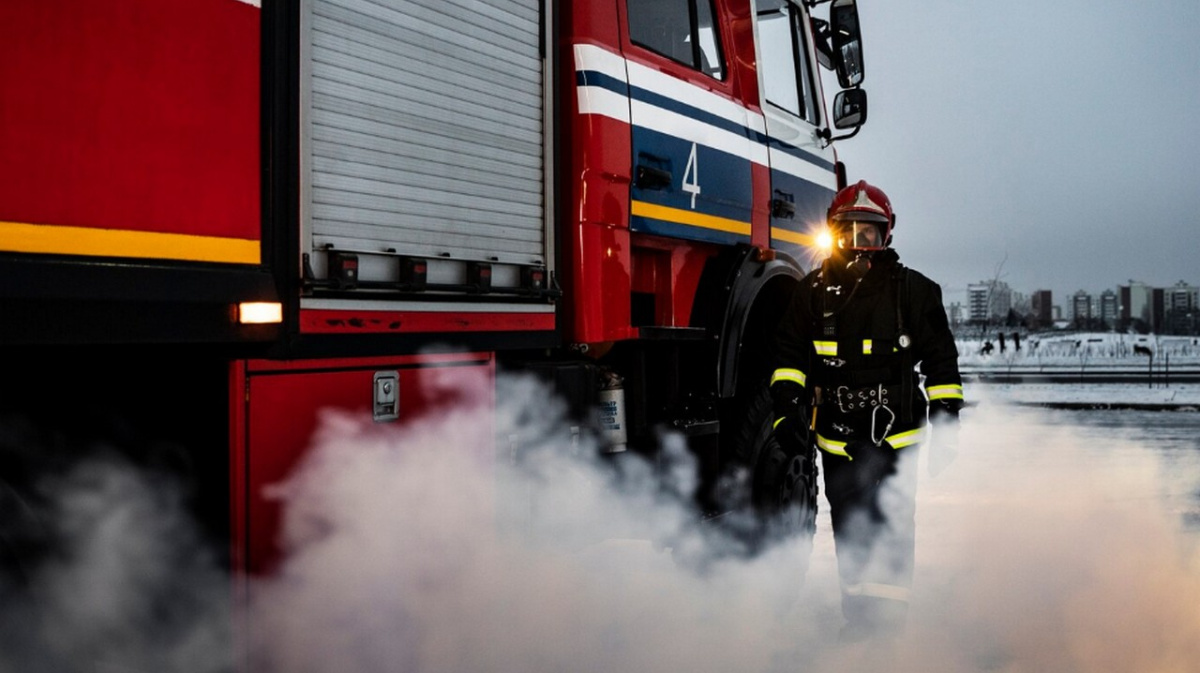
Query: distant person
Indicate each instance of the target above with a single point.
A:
(987, 348)
(847, 347)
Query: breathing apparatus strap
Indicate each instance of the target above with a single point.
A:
(904, 342)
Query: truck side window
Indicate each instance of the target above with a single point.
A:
(681, 30)
(786, 69)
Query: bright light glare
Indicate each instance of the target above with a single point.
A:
(260, 312)
(825, 241)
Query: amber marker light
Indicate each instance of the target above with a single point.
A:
(259, 312)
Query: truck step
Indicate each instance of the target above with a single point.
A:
(661, 333)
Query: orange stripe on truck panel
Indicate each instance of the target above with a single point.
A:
(88, 241)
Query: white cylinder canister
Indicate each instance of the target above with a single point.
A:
(612, 419)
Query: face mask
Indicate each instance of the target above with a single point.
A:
(860, 265)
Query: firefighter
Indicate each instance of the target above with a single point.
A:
(848, 348)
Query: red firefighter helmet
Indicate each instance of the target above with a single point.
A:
(861, 218)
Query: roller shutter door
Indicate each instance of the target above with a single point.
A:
(425, 128)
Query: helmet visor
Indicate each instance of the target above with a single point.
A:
(854, 234)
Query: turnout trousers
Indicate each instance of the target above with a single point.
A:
(872, 502)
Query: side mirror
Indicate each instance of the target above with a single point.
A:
(847, 42)
(850, 109)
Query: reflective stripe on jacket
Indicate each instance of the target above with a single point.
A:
(897, 440)
(786, 374)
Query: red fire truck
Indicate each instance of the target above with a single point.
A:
(219, 216)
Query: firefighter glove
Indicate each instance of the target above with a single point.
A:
(943, 449)
(787, 399)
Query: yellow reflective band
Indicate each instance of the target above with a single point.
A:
(90, 241)
(794, 375)
(875, 590)
(691, 218)
(777, 422)
(897, 441)
(828, 348)
(796, 237)
(832, 446)
(946, 392)
(903, 439)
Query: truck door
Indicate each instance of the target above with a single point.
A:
(802, 165)
(692, 142)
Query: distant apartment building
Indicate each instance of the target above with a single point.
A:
(988, 301)
(1137, 307)
(1110, 309)
(1042, 308)
(1158, 308)
(977, 302)
(1180, 305)
(1081, 309)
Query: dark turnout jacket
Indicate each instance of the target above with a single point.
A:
(853, 345)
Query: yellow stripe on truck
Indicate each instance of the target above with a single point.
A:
(678, 216)
(807, 240)
(50, 239)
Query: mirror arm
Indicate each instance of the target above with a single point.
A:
(826, 134)
(822, 29)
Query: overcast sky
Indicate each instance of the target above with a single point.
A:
(1053, 143)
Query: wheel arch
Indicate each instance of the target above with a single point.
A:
(741, 299)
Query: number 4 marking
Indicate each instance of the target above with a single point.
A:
(693, 170)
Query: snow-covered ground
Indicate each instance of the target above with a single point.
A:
(1077, 362)
(1080, 349)
(1184, 396)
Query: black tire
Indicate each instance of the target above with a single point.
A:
(783, 476)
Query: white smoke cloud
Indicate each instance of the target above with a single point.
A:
(419, 548)
(1036, 551)
(123, 583)
(416, 551)
(1048, 549)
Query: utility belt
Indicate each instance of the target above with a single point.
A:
(849, 400)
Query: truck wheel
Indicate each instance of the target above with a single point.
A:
(783, 487)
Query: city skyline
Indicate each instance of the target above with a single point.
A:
(1130, 305)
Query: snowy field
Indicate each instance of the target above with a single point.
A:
(1179, 396)
(1086, 349)
(1137, 369)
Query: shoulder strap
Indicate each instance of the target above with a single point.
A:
(903, 296)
